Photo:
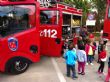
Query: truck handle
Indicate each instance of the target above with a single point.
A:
(58, 40)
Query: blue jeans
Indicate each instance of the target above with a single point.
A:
(89, 58)
(69, 69)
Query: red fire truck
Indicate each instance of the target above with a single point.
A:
(55, 24)
(28, 30)
(106, 30)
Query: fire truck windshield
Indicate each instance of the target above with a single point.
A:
(16, 18)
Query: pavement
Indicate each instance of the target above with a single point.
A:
(51, 69)
(91, 74)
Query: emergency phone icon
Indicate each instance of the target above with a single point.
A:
(13, 44)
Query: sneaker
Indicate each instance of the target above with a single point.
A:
(68, 75)
(82, 73)
(86, 63)
(91, 63)
(79, 72)
(74, 78)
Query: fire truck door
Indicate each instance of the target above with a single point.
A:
(51, 32)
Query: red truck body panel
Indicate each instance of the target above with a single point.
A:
(22, 40)
(106, 29)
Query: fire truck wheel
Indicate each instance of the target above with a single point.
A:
(17, 65)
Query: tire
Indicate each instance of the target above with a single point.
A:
(17, 65)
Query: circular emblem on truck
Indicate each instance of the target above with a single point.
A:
(13, 44)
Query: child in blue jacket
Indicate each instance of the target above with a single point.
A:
(70, 57)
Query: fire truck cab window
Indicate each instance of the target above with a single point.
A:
(15, 18)
(49, 17)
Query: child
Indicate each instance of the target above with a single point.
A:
(80, 41)
(81, 55)
(70, 57)
(89, 51)
(92, 39)
(100, 48)
(66, 43)
(65, 46)
(108, 74)
(102, 59)
(75, 39)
